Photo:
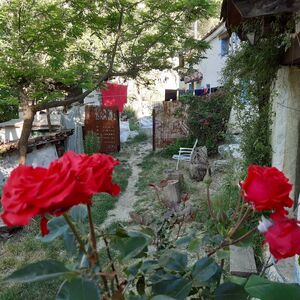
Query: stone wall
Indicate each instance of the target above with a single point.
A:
(286, 150)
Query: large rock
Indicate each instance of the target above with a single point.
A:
(220, 165)
(199, 163)
(230, 151)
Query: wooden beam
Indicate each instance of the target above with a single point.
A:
(258, 8)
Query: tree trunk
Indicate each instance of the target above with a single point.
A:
(26, 130)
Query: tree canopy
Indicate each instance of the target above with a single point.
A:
(49, 48)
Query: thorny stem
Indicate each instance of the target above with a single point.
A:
(94, 245)
(222, 267)
(76, 233)
(111, 261)
(239, 208)
(92, 232)
(179, 229)
(240, 222)
(266, 266)
(226, 244)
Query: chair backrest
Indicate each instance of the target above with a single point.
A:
(195, 145)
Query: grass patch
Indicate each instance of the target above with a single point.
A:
(21, 249)
(103, 202)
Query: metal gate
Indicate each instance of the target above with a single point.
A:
(104, 122)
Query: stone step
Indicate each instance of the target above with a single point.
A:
(242, 262)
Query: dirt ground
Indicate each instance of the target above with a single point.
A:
(132, 200)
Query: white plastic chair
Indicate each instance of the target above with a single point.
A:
(185, 154)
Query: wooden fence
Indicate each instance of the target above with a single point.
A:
(104, 122)
(169, 123)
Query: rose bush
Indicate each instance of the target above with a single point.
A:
(68, 181)
(266, 188)
(283, 238)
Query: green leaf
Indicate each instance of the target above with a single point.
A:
(140, 285)
(205, 271)
(184, 241)
(79, 213)
(230, 291)
(149, 266)
(42, 270)
(175, 287)
(130, 247)
(70, 242)
(57, 227)
(78, 289)
(265, 289)
(174, 261)
(195, 245)
(238, 280)
(134, 269)
(222, 254)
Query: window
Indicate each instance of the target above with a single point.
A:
(224, 46)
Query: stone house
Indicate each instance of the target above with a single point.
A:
(285, 97)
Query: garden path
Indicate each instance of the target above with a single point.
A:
(126, 202)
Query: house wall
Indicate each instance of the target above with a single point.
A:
(286, 151)
(286, 119)
(213, 62)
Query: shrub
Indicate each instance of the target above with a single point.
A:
(207, 118)
(172, 149)
(91, 143)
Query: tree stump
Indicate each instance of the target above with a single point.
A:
(171, 191)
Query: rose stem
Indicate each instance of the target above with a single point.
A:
(223, 245)
(76, 234)
(94, 245)
(111, 260)
(237, 211)
(209, 203)
(221, 267)
(240, 223)
(92, 232)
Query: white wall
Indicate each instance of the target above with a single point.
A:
(211, 66)
(285, 145)
(286, 120)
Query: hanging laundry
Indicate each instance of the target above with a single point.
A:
(199, 92)
(114, 96)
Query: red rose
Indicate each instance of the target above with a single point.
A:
(267, 188)
(283, 238)
(68, 181)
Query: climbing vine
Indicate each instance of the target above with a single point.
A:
(248, 77)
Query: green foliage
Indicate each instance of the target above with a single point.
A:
(207, 118)
(8, 110)
(247, 78)
(128, 113)
(103, 202)
(42, 270)
(169, 150)
(140, 137)
(48, 48)
(78, 289)
(91, 143)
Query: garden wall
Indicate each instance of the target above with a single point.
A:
(169, 124)
(286, 149)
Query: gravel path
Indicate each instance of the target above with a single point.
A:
(126, 202)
